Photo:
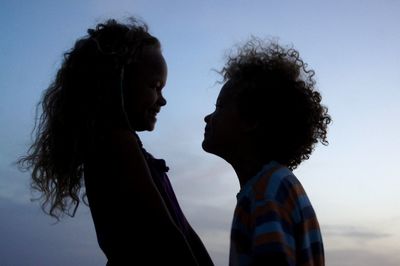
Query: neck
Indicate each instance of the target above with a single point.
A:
(246, 167)
(246, 159)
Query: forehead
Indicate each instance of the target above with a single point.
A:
(229, 91)
(152, 62)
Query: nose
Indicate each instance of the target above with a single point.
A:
(162, 101)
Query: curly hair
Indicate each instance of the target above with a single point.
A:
(278, 90)
(83, 101)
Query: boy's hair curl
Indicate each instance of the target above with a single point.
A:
(278, 90)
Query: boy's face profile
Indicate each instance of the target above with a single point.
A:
(144, 98)
(224, 126)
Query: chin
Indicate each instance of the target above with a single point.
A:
(151, 125)
(151, 128)
(145, 127)
(205, 146)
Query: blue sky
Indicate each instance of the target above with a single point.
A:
(353, 183)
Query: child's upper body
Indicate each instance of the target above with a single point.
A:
(108, 88)
(128, 229)
(274, 222)
(267, 120)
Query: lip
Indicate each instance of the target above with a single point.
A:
(154, 111)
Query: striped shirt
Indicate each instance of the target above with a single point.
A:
(274, 222)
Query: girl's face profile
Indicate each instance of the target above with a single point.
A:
(144, 97)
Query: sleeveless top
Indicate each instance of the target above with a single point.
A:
(97, 189)
(159, 170)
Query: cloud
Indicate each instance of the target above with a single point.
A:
(360, 257)
(14, 185)
(352, 232)
(212, 223)
(30, 238)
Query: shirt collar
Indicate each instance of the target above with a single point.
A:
(249, 184)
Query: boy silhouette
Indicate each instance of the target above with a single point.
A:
(267, 120)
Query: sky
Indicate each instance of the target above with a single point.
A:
(353, 184)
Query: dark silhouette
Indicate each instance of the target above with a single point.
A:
(109, 87)
(267, 120)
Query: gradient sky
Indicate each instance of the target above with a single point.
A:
(354, 47)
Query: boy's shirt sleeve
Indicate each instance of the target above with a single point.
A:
(273, 241)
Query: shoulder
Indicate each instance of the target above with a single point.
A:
(277, 183)
(117, 152)
(281, 191)
(112, 141)
(276, 190)
(122, 144)
(122, 138)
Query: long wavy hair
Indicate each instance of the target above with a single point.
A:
(84, 100)
(279, 90)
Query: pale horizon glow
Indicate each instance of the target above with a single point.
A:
(353, 46)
